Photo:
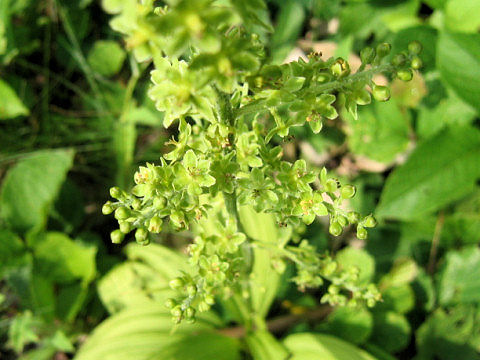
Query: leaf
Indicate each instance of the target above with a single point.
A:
(449, 335)
(63, 260)
(440, 170)
(264, 280)
(309, 346)
(12, 251)
(359, 258)
(141, 280)
(391, 331)
(460, 277)
(351, 324)
(106, 57)
(31, 186)
(264, 346)
(10, 105)
(146, 332)
(459, 15)
(458, 59)
(380, 134)
(22, 331)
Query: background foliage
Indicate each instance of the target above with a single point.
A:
(75, 119)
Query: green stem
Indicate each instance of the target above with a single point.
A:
(260, 106)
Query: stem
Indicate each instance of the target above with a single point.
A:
(260, 106)
(282, 323)
(435, 240)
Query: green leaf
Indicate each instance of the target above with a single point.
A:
(22, 331)
(31, 186)
(10, 105)
(351, 324)
(462, 15)
(106, 57)
(264, 280)
(146, 333)
(460, 277)
(380, 134)
(458, 59)
(143, 279)
(63, 260)
(440, 170)
(359, 258)
(309, 346)
(391, 331)
(12, 251)
(264, 346)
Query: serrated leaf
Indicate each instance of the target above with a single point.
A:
(440, 170)
(31, 186)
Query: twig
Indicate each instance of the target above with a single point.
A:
(281, 323)
(435, 240)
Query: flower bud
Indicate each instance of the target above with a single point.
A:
(125, 226)
(331, 185)
(209, 299)
(335, 228)
(155, 225)
(107, 208)
(367, 55)
(117, 236)
(170, 303)
(381, 93)
(353, 217)
(383, 50)
(342, 220)
(361, 233)
(340, 68)
(189, 313)
(116, 193)
(399, 60)
(415, 48)
(176, 311)
(122, 213)
(347, 191)
(405, 74)
(141, 235)
(416, 63)
(191, 290)
(369, 221)
(176, 283)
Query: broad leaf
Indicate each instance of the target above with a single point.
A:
(264, 346)
(460, 277)
(458, 59)
(462, 15)
(141, 280)
(31, 186)
(308, 346)
(441, 170)
(106, 57)
(146, 333)
(10, 105)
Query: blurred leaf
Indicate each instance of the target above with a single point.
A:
(10, 104)
(264, 346)
(309, 346)
(450, 111)
(460, 277)
(22, 331)
(458, 59)
(391, 331)
(351, 324)
(264, 280)
(400, 299)
(462, 15)
(12, 251)
(141, 280)
(106, 57)
(382, 132)
(424, 291)
(359, 258)
(145, 332)
(63, 260)
(440, 170)
(31, 186)
(449, 335)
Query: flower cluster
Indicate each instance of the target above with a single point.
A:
(213, 78)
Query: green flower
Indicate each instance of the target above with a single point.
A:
(309, 206)
(193, 174)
